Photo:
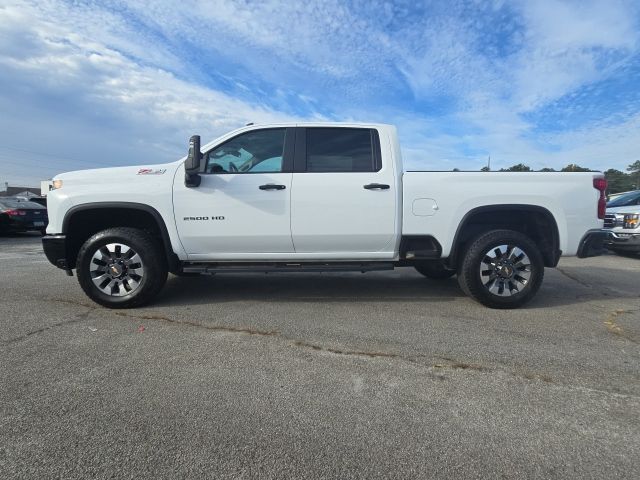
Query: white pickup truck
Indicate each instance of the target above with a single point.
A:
(317, 197)
(622, 223)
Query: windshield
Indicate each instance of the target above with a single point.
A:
(631, 198)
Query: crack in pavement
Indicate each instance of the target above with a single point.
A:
(447, 363)
(73, 302)
(79, 317)
(443, 363)
(216, 328)
(602, 289)
(336, 351)
(458, 365)
(574, 278)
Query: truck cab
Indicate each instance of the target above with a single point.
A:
(293, 193)
(317, 197)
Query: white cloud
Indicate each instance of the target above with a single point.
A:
(562, 47)
(557, 25)
(118, 82)
(569, 45)
(114, 110)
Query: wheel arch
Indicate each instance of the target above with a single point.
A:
(539, 224)
(82, 221)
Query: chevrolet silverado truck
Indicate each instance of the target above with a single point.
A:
(317, 197)
(622, 222)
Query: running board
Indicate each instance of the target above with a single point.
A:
(211, 268)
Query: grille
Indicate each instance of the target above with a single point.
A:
(609, 221)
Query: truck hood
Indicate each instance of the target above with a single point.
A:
(116, 174)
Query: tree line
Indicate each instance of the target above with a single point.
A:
(618, 181)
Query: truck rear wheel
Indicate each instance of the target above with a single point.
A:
(501, 269)
(434, 270)
(121, 267)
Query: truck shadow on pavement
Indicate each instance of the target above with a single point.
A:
(560, 288)
(302, 287)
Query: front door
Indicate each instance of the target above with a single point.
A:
(242, 207)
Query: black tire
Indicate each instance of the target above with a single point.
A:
(434, 270)
(152, 260)
(473, 267)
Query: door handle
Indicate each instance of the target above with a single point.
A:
(272, 186)
(376, 186)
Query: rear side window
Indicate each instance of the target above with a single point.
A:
(341, 150)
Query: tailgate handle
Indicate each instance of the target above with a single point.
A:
(376, 186)
(272, 186)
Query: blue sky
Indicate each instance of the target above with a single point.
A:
(544, 82)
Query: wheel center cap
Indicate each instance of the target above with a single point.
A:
(115, 269)
(506, 271)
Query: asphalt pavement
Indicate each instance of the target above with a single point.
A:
(381, 375)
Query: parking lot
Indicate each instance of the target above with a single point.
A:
(382, 375)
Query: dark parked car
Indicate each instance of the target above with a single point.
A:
(21, 216)
(625, 200)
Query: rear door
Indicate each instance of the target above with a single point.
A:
(343, 198)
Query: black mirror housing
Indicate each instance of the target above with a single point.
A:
(192, 163)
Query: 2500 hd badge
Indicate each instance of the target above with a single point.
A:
(203, 218)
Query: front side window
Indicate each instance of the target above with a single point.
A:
(258, 151)
(340, 150)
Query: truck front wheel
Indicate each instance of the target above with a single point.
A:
(121, 267)
(501, 269)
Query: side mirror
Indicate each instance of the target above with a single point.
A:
(192, 164)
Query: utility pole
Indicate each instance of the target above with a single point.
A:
(489, 163)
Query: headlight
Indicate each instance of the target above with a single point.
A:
(56, 184)
(631, 220)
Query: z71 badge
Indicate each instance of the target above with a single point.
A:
(151, 171)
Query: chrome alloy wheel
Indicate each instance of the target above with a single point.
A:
(505, 270)
(116, 269)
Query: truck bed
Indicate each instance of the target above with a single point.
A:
(437, 202)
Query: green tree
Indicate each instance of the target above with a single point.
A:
(618, 181)
(547, 169)
(485, 169)
(634, 168)
(521, 167)
(572, 167)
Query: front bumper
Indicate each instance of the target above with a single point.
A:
(592, 243)
(623, 241)
(55, 248)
